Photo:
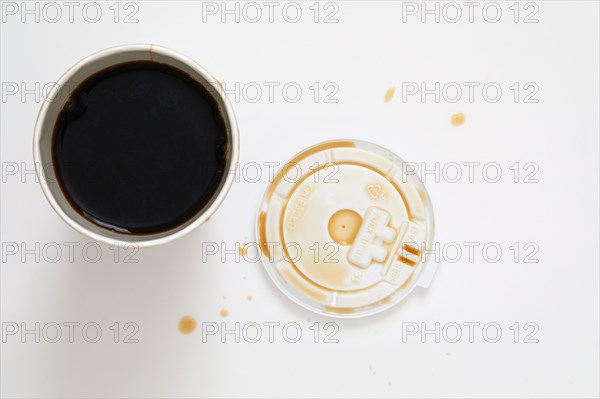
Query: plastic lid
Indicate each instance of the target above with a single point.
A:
(343, 228)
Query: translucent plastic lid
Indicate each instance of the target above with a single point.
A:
(343, 229)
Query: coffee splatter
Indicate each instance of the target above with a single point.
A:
(389, 94)
(458, 119)
(187, 325)
(243, 250)
(224, 313)
(249, 297)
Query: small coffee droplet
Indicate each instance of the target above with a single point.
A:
(224, 313)
(187, 325)
(249, 297)
(389, 94)
(458, 119)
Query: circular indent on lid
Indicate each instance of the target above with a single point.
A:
(343, 228)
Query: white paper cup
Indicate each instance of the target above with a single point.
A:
(68, 83)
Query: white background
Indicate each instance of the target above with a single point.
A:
(368, 50)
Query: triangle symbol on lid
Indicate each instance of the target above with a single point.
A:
(374, 190)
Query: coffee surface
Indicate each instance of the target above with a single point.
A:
(140, 148)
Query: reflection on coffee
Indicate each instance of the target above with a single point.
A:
(140, 148)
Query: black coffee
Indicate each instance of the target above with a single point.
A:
(140, 148)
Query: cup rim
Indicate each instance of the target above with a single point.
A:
(216, 200)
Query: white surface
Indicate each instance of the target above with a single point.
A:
(368, 51)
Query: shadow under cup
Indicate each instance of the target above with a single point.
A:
(166, 155)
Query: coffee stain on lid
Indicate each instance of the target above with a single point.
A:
(224, 313)
(187, 325)
(302, 285)
(458, 119)
(281, 174)
(389, 94)
(334, 310)
(262, 222)
(249, 298)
